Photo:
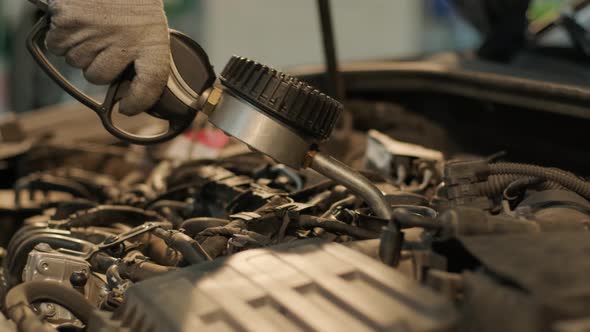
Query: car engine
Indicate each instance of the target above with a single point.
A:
(102, 237)
(450, 197)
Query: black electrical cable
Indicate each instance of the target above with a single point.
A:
(103, 215)
(516, 188)
(47, 182)
(407, 219)
(307, 221)
(496, 184)
(561, 177)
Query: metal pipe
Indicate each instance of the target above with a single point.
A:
(335, 81)
(358, 184)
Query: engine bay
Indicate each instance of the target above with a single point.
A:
(444, 191)
(450, 196)
(139, 241)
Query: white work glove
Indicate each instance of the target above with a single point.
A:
(103, 37)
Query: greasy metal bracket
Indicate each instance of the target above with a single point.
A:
(115, 241)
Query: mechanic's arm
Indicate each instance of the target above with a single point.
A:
(103, 37)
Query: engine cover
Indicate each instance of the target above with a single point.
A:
(307, 286)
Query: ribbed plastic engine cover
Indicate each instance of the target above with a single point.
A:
(305, 286)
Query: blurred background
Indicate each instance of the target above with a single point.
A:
(365, 30)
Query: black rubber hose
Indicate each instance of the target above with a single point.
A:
(135, 267)
(407, 219)
(113, 276)
(101, 262)
(335, 226)
(47, 182)
(190, 249)
(517, 187)
(195, 226)
(167, 203)
(104, 215)
(497, 183)
(19, 299)
(561, 177)
(67, 208)
(138, 271)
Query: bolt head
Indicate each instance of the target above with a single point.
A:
(79, 278)
(43, 267)
(48, 309)
(212, 101)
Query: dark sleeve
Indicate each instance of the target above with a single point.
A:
(503, 24)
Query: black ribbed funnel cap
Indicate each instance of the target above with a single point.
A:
(294, 103)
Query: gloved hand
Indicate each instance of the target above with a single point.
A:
(103, 37)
